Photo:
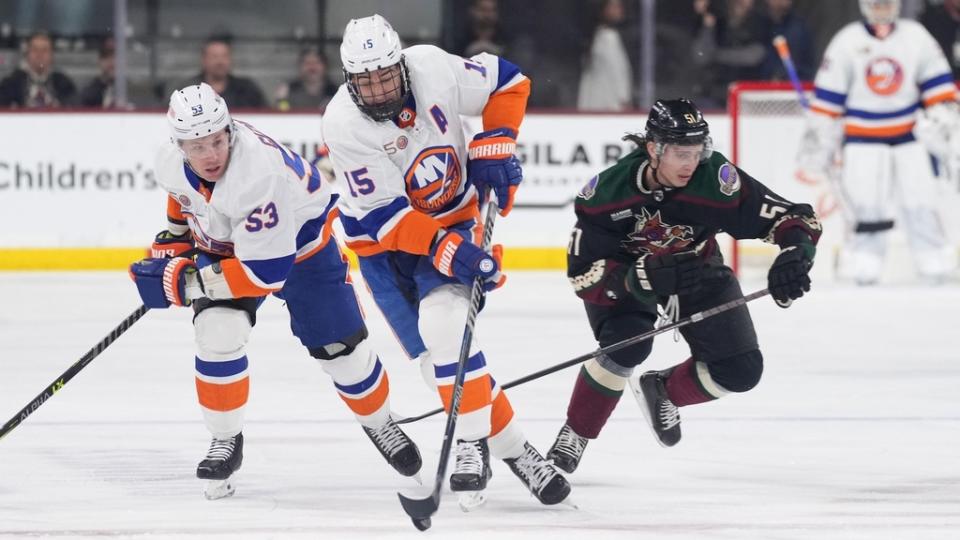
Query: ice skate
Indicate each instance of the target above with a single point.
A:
(396, 447)
(540, 477)
(471, 473)
(219, 467)
(567, 449)
(661, 414)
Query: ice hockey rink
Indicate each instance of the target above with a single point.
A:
(854, 432)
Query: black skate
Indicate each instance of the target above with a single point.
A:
(223, 460)
(567, 449)
(471, 473)
(398, 449)
(540, 477)
(661, 413)
(473, 466)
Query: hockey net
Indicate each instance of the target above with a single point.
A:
(767, 123)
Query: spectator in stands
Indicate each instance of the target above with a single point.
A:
(216, 62)
(943, 22)
(36, 84)
(99, 92)
(606, 82)
(483, 32)
(313, 89)
(728, 46)
(781, 20)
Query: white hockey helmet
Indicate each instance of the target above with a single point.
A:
(370, 44)
(197, 111)
(880, 11)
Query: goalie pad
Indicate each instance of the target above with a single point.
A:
(820, 146)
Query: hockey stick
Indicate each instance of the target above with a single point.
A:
(620, 345)
(65, 377)
(421, 508)
(783, 51)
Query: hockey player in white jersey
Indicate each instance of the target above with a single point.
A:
(410, 185)
(875, 78)
(260, 217)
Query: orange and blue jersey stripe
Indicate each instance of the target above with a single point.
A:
(508, 101)
(397, 226)
(938, 89)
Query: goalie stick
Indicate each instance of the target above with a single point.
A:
(783, 51)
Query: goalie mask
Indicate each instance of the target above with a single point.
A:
(880, 11)
(679, 122)
(373, 67)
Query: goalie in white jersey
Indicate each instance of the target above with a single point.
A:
(260, 218)
(409, 187)
(876, 77)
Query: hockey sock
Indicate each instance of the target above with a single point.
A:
(475, 401)
(690, 383)
(595, 394)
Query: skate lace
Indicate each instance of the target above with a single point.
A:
(389, 437)
(535, 469)
(469, 458)
(570, 443)
(669, 414)
(221, 449)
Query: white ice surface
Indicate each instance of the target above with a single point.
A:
(854, 432)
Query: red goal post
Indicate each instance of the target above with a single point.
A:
(766, 121)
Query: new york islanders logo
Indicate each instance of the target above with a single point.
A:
(652, 236)
(433, 178)
(884, 76)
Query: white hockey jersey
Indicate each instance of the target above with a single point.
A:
(391, 174)
(267, 211)
(877, 85)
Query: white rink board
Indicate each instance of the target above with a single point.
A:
(103, 193)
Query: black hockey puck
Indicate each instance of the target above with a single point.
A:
(421, 524)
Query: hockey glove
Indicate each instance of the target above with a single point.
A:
(789, 276)
(667, 273)
(455, 256)
(166, 245)
(162, 282)
(493, 165)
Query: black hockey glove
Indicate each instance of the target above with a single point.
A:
(789, 276)
(668, 273)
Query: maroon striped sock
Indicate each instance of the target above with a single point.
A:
(684, 388)
(590, 405)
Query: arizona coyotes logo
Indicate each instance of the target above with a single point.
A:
(652, 236)
(433, 178)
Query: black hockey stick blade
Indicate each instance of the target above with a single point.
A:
(420, 508)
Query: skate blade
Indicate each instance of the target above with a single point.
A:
(471, 500)
(219, 489)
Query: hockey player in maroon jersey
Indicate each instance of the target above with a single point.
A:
(645, 237)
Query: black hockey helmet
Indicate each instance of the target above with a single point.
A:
(676, 121)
